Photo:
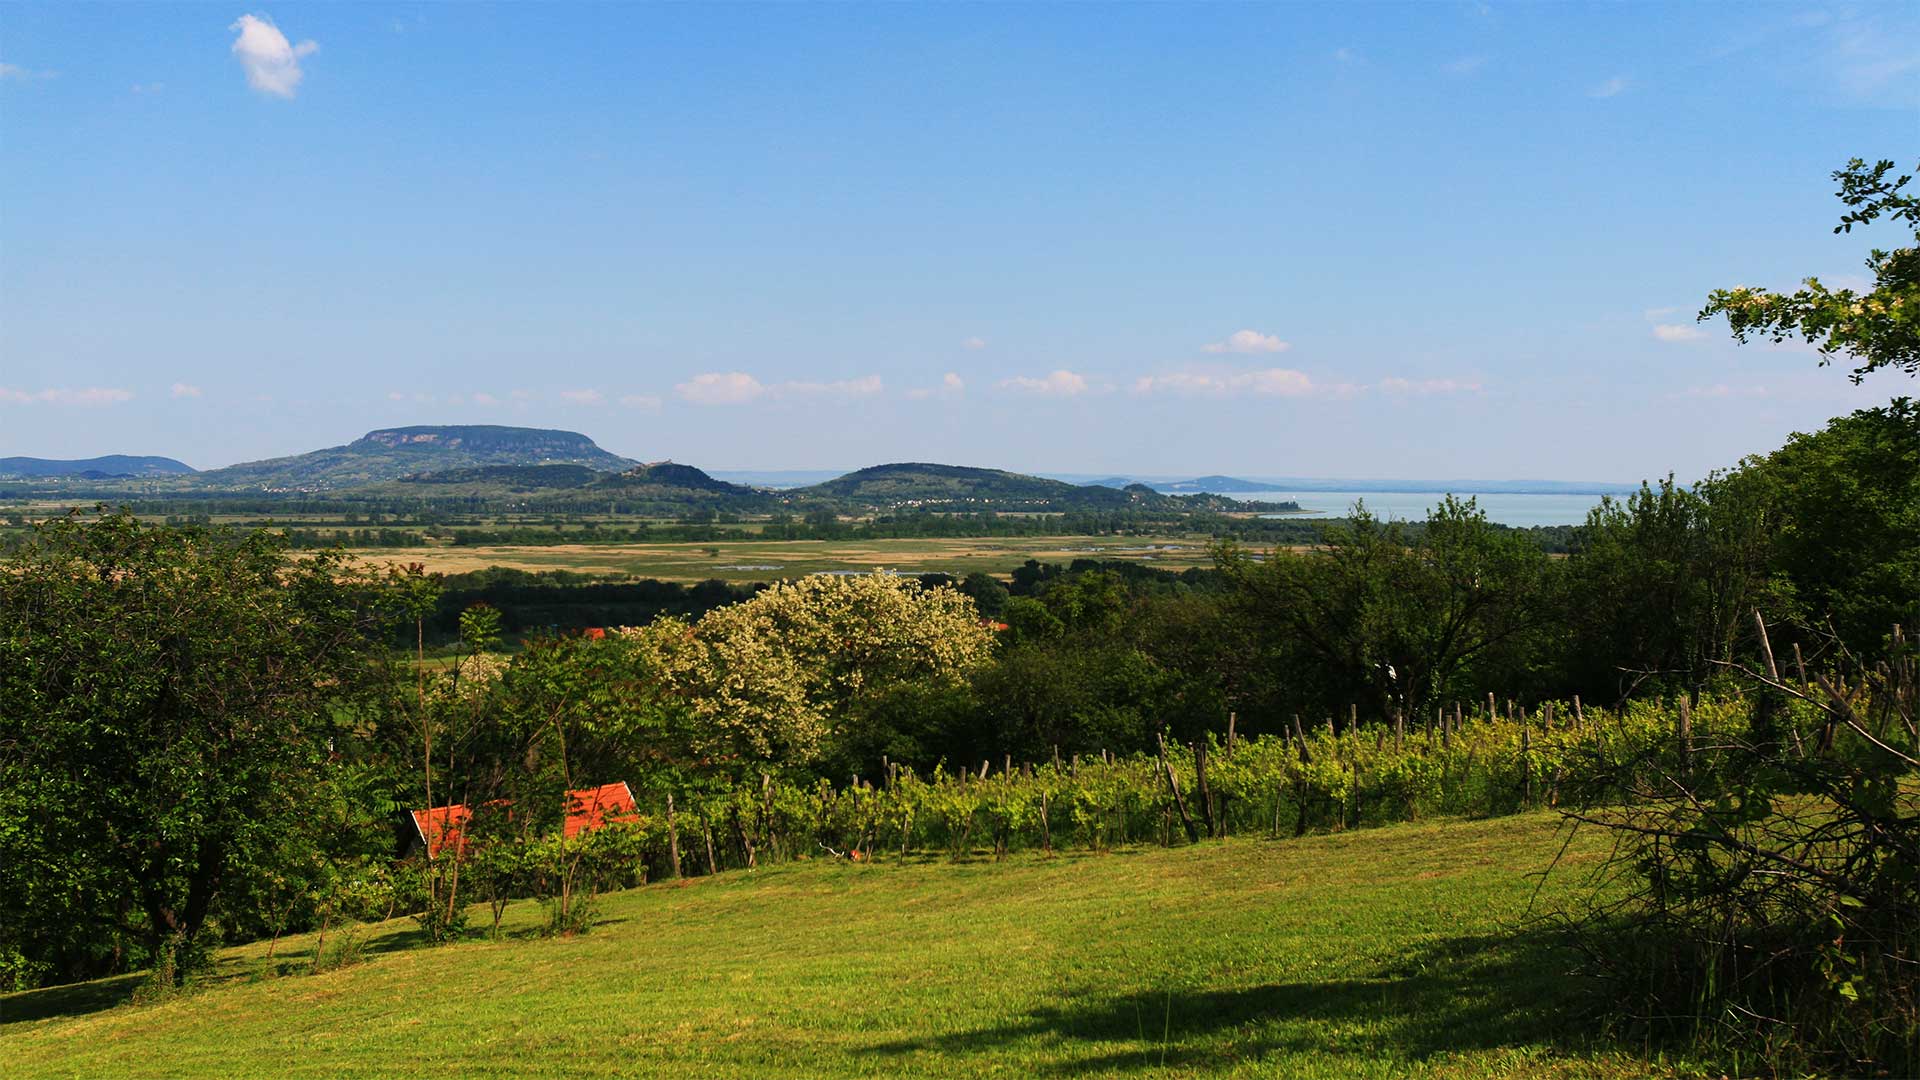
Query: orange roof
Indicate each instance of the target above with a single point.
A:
(590, 808)
(587, 809)
(442, 826)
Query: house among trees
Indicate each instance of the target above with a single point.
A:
(439, 828)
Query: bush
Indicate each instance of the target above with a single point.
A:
(1764, 900)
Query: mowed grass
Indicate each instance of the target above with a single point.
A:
(1382, 953)
(762, 560)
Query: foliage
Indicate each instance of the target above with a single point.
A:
(1771, 899)
(166, 701)
(1880, 328)
(1402, 622)
(769, 678)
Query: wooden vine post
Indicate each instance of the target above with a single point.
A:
(1173, 785)
(673, 836)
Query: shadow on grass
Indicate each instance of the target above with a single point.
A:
(73, 999)
(1458, 994)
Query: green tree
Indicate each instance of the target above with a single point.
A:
(167, 699)
(1880, 328)
(1394, 620)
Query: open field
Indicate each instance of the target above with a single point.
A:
(1380, 953)
(764, 560)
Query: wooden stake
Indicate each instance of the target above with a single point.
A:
(673, 836)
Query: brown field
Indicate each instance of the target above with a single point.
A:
(762, 560)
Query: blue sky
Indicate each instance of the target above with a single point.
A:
(1367, 240)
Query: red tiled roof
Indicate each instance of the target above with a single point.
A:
(590, 808)
(441, 827)
(444, 827)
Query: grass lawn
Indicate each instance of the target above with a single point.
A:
(1381, 953)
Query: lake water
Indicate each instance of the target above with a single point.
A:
(1503, 507)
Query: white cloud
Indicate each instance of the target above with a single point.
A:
(185, 390)
(1465, 65)
(974, 343)
(1061, 383)
(640, 401)
(485, 401)
(951, 385)
(1248, 341)
(272, 63)
(1611, 88)
(19, 74)
(864, 386)
(91, 395)
(738, 388)
(1424, 387)
(720, 388)
(1268, 382)
(583, 397)
(1678, 332)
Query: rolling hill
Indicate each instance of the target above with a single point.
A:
(111, 465)
(920, 484)
(1373, 953)
(924, 486)
(394, 453)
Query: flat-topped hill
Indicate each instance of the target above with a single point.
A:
(394, 453)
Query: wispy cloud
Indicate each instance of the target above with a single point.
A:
(974, 343)
(185, 390)
(1427, 387)
(1248, 341)
(1465, 65)
(16, 73)
(639, 401)
(271, 62)
(149, 89)
(1613, 87)
(721, 388)
(1060, 383)
(1269, 382)
(1677, 332)
(1344, 55)
(951, 385)
(485, 401)
(90, 395)
(739, 388)
(583, 397)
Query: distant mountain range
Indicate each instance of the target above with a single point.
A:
(98, 468)
(394, 453)
(553, 468)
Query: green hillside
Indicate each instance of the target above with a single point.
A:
(111, 465)
(960, 487)
(1379, 953)
(393, 453)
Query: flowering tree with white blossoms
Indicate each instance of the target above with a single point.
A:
(769, 678)
(1879, 327)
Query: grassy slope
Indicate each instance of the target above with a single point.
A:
(1378, 953)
